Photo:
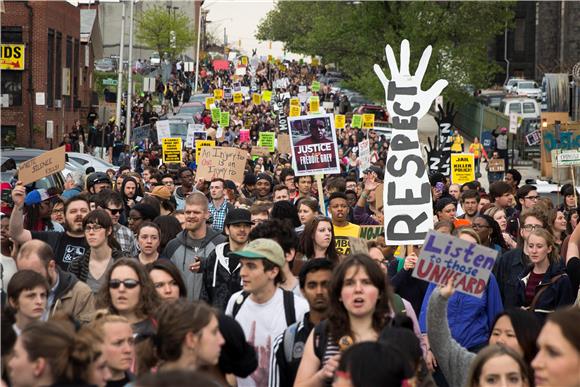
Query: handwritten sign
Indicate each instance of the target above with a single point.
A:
(266, 95)
(218, 94)
(256, 98)
(496, 165)
(368, 121)
(339, 121)
(238, 98)
(443, 257)
(294, 111)
(462, 168)
(199, 144)
(44, 165)
(357, 121)
(222, 162)
(284, 143)
(225, 119)
(268, 139)
(171, 148)
(260, 151)
(209, 101)
(314, 104)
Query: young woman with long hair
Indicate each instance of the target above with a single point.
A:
(499, 365)
(148, 239)
(166, 279)
(317, 240)
(559, 226)
(498, 214)
(308, 208)
(359, 310)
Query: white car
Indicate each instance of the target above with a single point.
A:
(87, 160)
(527, 89)
(510, 84)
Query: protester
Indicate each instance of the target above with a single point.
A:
(499, 365)
(148, 238)
(317, 240)
(27, 293)
(499, 216)
(308, 208)
(338, 208)
(112, 202)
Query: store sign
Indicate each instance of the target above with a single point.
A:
(12, 57)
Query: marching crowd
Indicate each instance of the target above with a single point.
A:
(150, 276)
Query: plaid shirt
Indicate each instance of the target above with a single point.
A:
(126, 239)
(218, 215)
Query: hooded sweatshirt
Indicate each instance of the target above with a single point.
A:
(182, 252)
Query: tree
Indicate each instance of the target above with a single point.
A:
(354, 36)
(167, 32)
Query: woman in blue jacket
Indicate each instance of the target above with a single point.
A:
(544, 286)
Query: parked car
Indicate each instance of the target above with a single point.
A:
(155, 59)
(527, 89)
(105, 65)
(523, 107)
(507, 87)
(192, 110)
(491, 98)
(87, 160)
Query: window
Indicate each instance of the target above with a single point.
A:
(12, 85)
(529, 107)
(58, 67)
(11, 34)
(8, 134)
(515, 108)
(50, 70)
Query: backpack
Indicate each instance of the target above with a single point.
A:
(289, 309)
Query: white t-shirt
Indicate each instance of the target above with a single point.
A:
(262, 323)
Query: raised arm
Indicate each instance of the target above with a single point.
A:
(16, 226)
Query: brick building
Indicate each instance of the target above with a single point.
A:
(55, 83)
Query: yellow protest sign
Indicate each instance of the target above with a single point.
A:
(294, 111)
(208, 102)
(368, 121)
(244, 60)
(256, 99)
(294, 101)
(171, 147)
(266, 95)
(315, 62)
(199, 144)
(12, 57)
(238, 98)
(314, 104)
(462, 168)
(339, 121)
(270, 58)
(218, 94)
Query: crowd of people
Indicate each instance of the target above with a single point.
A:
(151, 276)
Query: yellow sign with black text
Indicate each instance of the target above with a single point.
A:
(12, 57)
(462, 168)
(171, 150)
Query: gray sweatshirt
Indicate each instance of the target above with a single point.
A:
(453, 359)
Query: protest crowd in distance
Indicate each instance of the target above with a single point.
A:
(286, 242)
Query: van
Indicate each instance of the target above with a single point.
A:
(523, 107)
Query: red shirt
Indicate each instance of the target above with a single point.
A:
(533, 282)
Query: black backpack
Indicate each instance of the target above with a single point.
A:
(289, 309)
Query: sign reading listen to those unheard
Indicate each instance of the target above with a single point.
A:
(44, 165)
(223, 162)
(171, 150)
(443, 257)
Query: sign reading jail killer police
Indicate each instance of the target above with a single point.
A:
(462, 168)
(443, 257)
(313, 141)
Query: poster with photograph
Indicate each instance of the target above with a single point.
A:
(313, 141)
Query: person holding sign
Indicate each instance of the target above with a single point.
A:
(343, 229)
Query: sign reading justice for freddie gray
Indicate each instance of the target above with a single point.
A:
(443, 257)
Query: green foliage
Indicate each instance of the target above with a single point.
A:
(154, 27)
(354, 36)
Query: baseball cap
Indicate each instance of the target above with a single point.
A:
(262, 248)
(36, 196)
(373, 168)
(97, 177)
(237, 216)
(161, 191)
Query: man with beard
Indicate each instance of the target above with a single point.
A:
(470, 204)
(67, 245)
(288, 348)
(186, 178)
(221, 273)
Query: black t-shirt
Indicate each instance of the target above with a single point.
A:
(66, 248)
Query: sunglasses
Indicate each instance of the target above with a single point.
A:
(115, 211)
(128, 283)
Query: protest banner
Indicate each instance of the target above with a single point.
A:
(260, 151)
(266, 95)
(356, 121)
(244, 135)
(199, 144)
(294, 102)
(41, 166)
(225, 119)
(268, 139)
(218, 94)
(328, 107)
(496, 165)
(140, 134)
(244, 61)
(368, 121)
(315, 62)
(439, 151)
(314, 146)
(302, 88)
(171, 148)
(228, 93)
(364, 155)
(256, 99)
(444, 256)
(222, 162)
(241, 71)
(195, 132)
(282, 119)
(238, 97)
(407, 191)
(209, 101)
(162, 130)
(314, 104)
(371, 232)
(284, 143)
(215, 114)
(315, 86)
(294, 111)
(339, 121)
(462, 168)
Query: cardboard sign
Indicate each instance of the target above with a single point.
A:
(171, 148)
(162, 130)
(462, 168)
(364, 155)
(238, 98)
(339, 121)
(218, 94)
(216, 114)
(284, 143)
(357, 121)
(315, 86)
(371, 232)
(443, 257)
(244, 135)
(268, 139)
(260, 151)
(266, 95)
(294, 101)
(225, 119)
(199, 144)
(496, 165)
(208, 102)
(368, 121)
(294, 111)
(314, 104)
(223, 162)
(256, 99)
(44, 165)
(12, 57)
(314, 146)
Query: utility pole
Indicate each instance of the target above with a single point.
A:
(120, 70)
(197, 51)
(129, 80)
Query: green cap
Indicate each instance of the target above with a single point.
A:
(262, 249)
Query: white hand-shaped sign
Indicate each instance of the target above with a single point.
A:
(407, 193)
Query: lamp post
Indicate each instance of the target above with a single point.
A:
(129, 79)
